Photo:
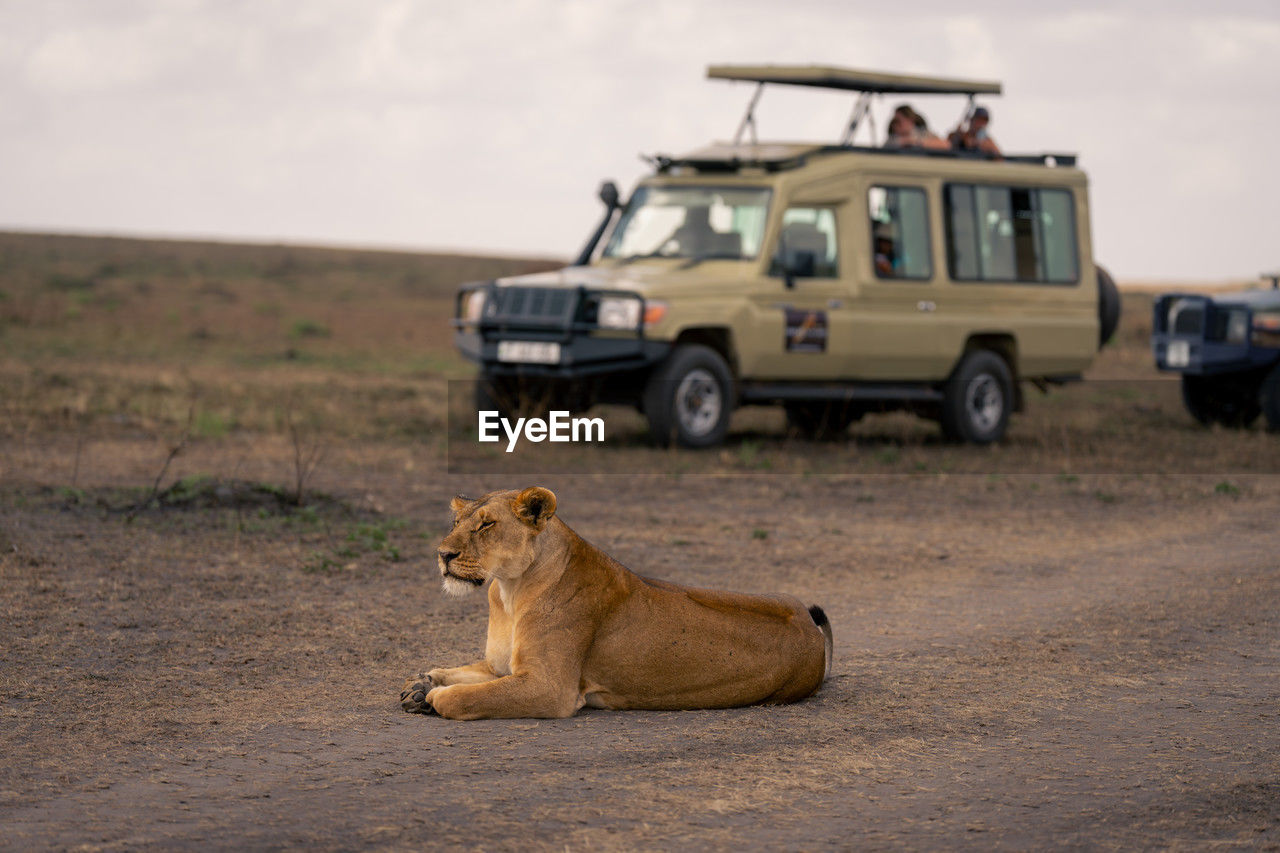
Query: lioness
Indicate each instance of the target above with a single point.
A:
(569, 626)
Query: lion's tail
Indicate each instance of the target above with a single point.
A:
(820, 619)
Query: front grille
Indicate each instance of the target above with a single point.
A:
(531, 306)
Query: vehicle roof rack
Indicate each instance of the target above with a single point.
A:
(866, 83)
(781, 156)
(853, 80)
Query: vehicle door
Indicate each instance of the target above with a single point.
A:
(800, 328)
(895, 335)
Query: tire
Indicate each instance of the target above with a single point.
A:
(821, 421)
(1108, 307)
(977, 399)
(1269, 398)
(1232, 400)
(689, 397)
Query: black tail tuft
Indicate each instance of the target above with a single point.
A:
(824, 624)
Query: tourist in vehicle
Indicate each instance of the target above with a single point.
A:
(974, 136)
(927, 138)
(885, 258)
(902, 128)
(908, 129)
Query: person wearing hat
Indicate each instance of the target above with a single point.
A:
(886, 256)
(974, 136)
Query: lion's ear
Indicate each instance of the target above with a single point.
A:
(534, 506)
(459, 503)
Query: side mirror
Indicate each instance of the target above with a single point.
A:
(803, 264)
(792, 264)
(609, 194)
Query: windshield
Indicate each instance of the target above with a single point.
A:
(691, 222)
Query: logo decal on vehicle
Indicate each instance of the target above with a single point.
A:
(806, 330)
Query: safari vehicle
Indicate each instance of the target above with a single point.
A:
(833, 279)
(1227, 348)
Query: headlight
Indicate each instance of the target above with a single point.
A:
(473, 307)
(618, 312)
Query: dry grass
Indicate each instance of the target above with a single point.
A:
(1062, 641)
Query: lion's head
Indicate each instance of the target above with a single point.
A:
(493, 536)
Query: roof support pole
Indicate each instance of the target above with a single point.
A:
(749, 120)
(860, 108)
(969, 107)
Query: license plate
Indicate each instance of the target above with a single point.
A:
(1178, 354)
(529, 352)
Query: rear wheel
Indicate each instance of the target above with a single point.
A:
(822, 420)
(1231, 400)
(977, 400)
(689, 398)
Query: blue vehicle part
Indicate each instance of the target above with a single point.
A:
(1199, 335)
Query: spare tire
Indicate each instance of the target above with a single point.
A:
(1108, 307)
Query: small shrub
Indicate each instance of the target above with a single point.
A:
(749, 455)
(208, 424)
(67, 283)
(1226, 488)
(759, 533)
(320, 563)
(308, 329)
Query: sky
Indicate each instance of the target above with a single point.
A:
(487, 126)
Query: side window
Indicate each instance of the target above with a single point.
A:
(1057, 217)
(807, 244)
(900, 232)
(994, 214)
(1011, 234)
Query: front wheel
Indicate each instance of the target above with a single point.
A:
(689, 398)
(977, 399)
(1231, 400)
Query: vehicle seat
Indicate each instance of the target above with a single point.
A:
(724, 245)
(805, 247)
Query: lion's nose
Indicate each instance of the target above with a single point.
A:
(446, 557)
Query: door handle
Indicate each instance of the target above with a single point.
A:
(926, 305)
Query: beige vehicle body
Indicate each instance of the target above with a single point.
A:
(850, 331)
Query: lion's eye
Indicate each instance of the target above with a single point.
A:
(485, 525)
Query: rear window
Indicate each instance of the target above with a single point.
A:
(1011, 234)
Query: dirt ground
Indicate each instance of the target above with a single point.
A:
(216, 569)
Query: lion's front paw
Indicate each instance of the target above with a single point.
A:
(413, 698)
